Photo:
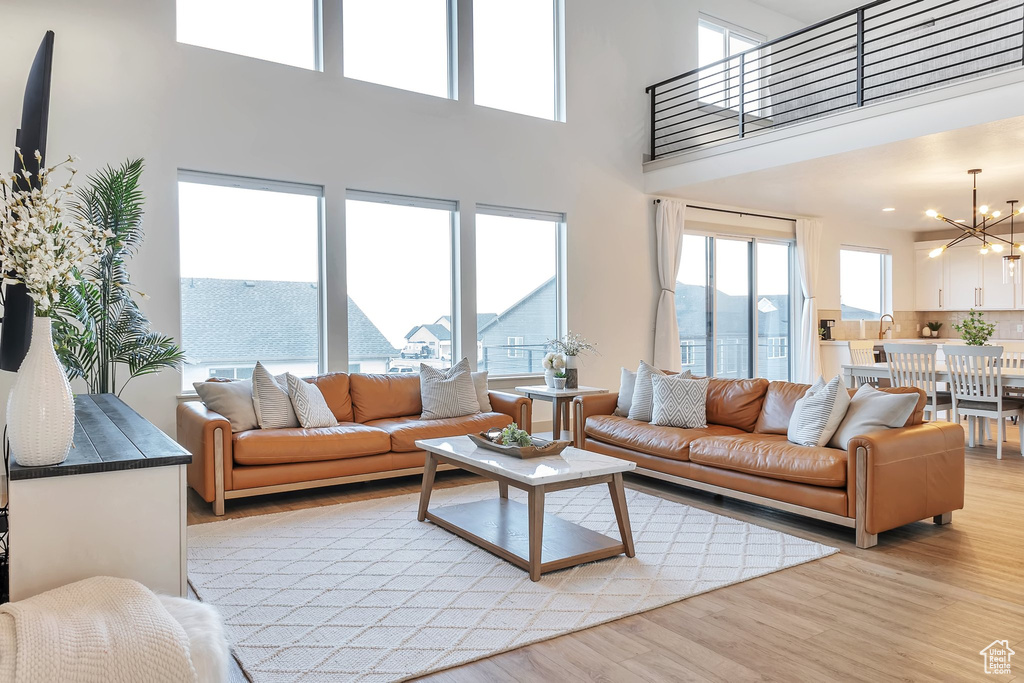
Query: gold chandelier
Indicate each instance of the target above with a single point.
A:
(989, 242)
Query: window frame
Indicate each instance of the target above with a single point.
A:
(561, 286)
(885, 274)
(267, 185)
(455, 253)
(727, 29)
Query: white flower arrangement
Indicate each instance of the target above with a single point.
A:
(553, 361)
(42, 245)
(572, 344)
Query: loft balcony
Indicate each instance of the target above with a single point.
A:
(830, 80)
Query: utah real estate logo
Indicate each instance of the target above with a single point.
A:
(997, 657)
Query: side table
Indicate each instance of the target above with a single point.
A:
(560, 400)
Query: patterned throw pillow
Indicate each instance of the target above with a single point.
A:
(309, 404)
(680, 401)
(642, 406)
(270, 399)
(817, 415)
(447, 393)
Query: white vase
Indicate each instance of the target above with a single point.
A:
(40, 407)
(549, 378)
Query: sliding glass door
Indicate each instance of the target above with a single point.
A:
(733, 305)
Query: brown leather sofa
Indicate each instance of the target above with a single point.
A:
(886, 479)
(378, 424)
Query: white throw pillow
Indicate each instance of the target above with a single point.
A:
(680, 401)
(872, 410)
(447, 393)
(642, 406)
(309, 404)
(480, 383)
(817, 415)
(270, 399)
(627, 385)
(233, 400)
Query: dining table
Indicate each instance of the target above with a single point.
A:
(1012, 377)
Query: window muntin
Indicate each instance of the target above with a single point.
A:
(258, 298)
(863, 278)
(405, 44)
(517, 56)
(283, 32)
(516, 316)
(399, 275)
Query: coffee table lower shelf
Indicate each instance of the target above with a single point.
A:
(502, 527)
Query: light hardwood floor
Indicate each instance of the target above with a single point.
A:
(918, 607)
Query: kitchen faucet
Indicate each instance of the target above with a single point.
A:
(881, 332)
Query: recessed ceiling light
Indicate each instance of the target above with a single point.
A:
(889, 208)
(961, 220)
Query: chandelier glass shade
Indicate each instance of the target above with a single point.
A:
(980, 227)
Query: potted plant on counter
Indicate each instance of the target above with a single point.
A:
(974, 330)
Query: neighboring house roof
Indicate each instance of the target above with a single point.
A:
(482, 320)
(227, 321)
(440, 332)
(525, 301)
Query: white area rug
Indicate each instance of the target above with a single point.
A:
(363, 592)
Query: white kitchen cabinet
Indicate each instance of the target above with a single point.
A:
(994, 295)
(963, 275)
(930, 293)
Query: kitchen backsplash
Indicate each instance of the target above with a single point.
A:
(1007, 322)
(911, 322)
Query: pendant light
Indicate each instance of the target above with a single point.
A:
(1011, 261)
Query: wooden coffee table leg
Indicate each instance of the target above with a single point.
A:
(502, 489)
(618, 494)
(429, 468)
(536, 511)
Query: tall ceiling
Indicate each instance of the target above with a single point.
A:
(910, 176)
(809, 11)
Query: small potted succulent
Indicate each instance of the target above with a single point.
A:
(560, 379)
(933, 328)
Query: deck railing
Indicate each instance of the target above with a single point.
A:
(880, 51)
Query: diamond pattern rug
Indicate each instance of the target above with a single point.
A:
(363, 592)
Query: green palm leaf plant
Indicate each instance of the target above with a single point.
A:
(98, 330)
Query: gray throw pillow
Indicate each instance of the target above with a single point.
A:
(447, 393)
(680, 401)
(817, 415)
(627, 385)
(480, 383)
(642, 406)
(872, 410)
(309, 404)
(233, 400)
(270, 398)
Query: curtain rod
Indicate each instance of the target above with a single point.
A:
(738, 213)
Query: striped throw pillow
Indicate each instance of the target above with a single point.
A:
(642, 406)
(270, 399)
(309, 404)
(817, 415)
(447, 393)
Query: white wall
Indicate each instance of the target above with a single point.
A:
(123, 87)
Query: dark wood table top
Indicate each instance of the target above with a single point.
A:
(109, 436)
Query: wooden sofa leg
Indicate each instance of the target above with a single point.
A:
(864, 539)
(944, 518)
(218, 472)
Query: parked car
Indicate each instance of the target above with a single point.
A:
(401, 370)
(416, 349)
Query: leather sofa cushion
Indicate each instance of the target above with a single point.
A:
(379, 396)
(279, 446)
(665, 442)
(334, 387)
(771, 455)
(735, 402)
(404, 431)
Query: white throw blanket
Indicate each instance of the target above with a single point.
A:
(100, 630)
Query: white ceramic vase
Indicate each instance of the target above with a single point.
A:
(549, 378)
(41, 407)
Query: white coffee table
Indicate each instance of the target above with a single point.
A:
(560, 400)
(523, 534)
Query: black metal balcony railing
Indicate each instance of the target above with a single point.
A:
(880, 51)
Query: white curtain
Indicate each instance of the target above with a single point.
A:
(808, 242)
(668, 224)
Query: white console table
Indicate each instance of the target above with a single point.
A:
(115, 507)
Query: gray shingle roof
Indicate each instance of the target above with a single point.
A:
(242, 320)
(482, 320)
(439, 331)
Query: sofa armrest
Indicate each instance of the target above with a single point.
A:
(585, 406)
(905, 475)
(207, 436)
(519, 408)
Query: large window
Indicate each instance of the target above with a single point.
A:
(399, 264)
(285, 32)
(517, 309)
(517, 56)
(407, 44)
(250, 272)
(733, 307)
(863, 283)
(717, 40)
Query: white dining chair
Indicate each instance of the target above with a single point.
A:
(976, 380)
(862, 352)
(913, 365)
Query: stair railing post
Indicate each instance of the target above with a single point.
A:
(743, 61)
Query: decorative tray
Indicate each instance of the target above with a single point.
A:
(540, 447)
